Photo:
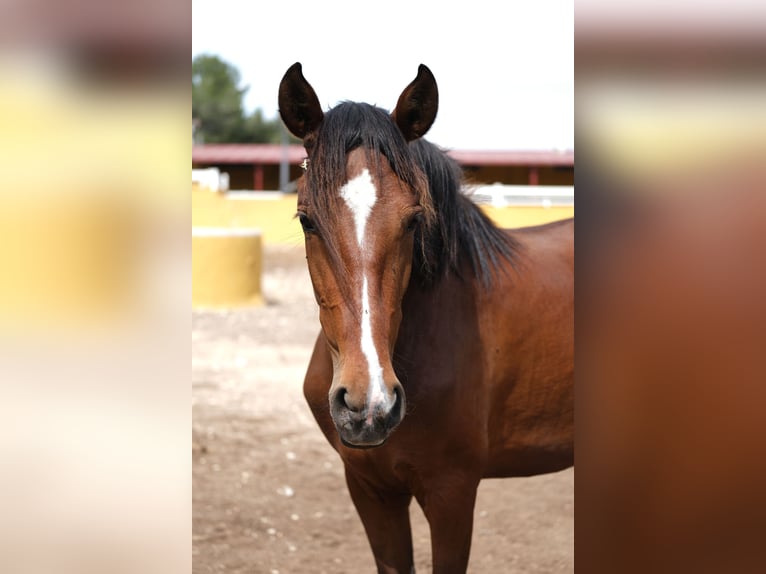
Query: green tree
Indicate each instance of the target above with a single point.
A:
(218, 110)
(260, 129)
(217, 99)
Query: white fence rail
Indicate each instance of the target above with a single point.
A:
(540, 195)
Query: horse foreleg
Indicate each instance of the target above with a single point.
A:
(386, 520)
(448, 507)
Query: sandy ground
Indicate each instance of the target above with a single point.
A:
(269, 493)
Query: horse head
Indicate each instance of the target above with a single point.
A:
(362, 203)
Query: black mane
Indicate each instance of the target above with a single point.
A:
(462, 229)
(453, 227)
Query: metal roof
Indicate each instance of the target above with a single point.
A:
(247, 153)
(273, 154)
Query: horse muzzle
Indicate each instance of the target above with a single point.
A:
(367, 424)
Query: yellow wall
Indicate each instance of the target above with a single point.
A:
(526, 215)
(274, 216)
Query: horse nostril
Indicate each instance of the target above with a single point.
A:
(397, 411)
(343, 400)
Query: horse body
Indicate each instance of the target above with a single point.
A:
(531, 419)
(480, 345)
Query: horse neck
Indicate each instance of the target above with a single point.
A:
(439, 324)
(429, 304)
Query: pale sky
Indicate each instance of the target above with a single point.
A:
(505, 70)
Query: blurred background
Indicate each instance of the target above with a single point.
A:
(94, 287)
(671, 130)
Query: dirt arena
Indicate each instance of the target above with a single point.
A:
(269, 493)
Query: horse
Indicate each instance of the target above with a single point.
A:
(445, 353)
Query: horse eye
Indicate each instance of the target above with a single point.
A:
(414, 222)
(306, 223)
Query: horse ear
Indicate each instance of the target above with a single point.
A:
(416, 109)
(298, 103)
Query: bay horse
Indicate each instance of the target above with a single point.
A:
(446, 347)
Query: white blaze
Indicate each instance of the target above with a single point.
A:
(377, 391)
(360, 195)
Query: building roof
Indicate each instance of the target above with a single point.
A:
(273, 154)
(247, 153)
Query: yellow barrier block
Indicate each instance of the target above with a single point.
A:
(226, 267)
